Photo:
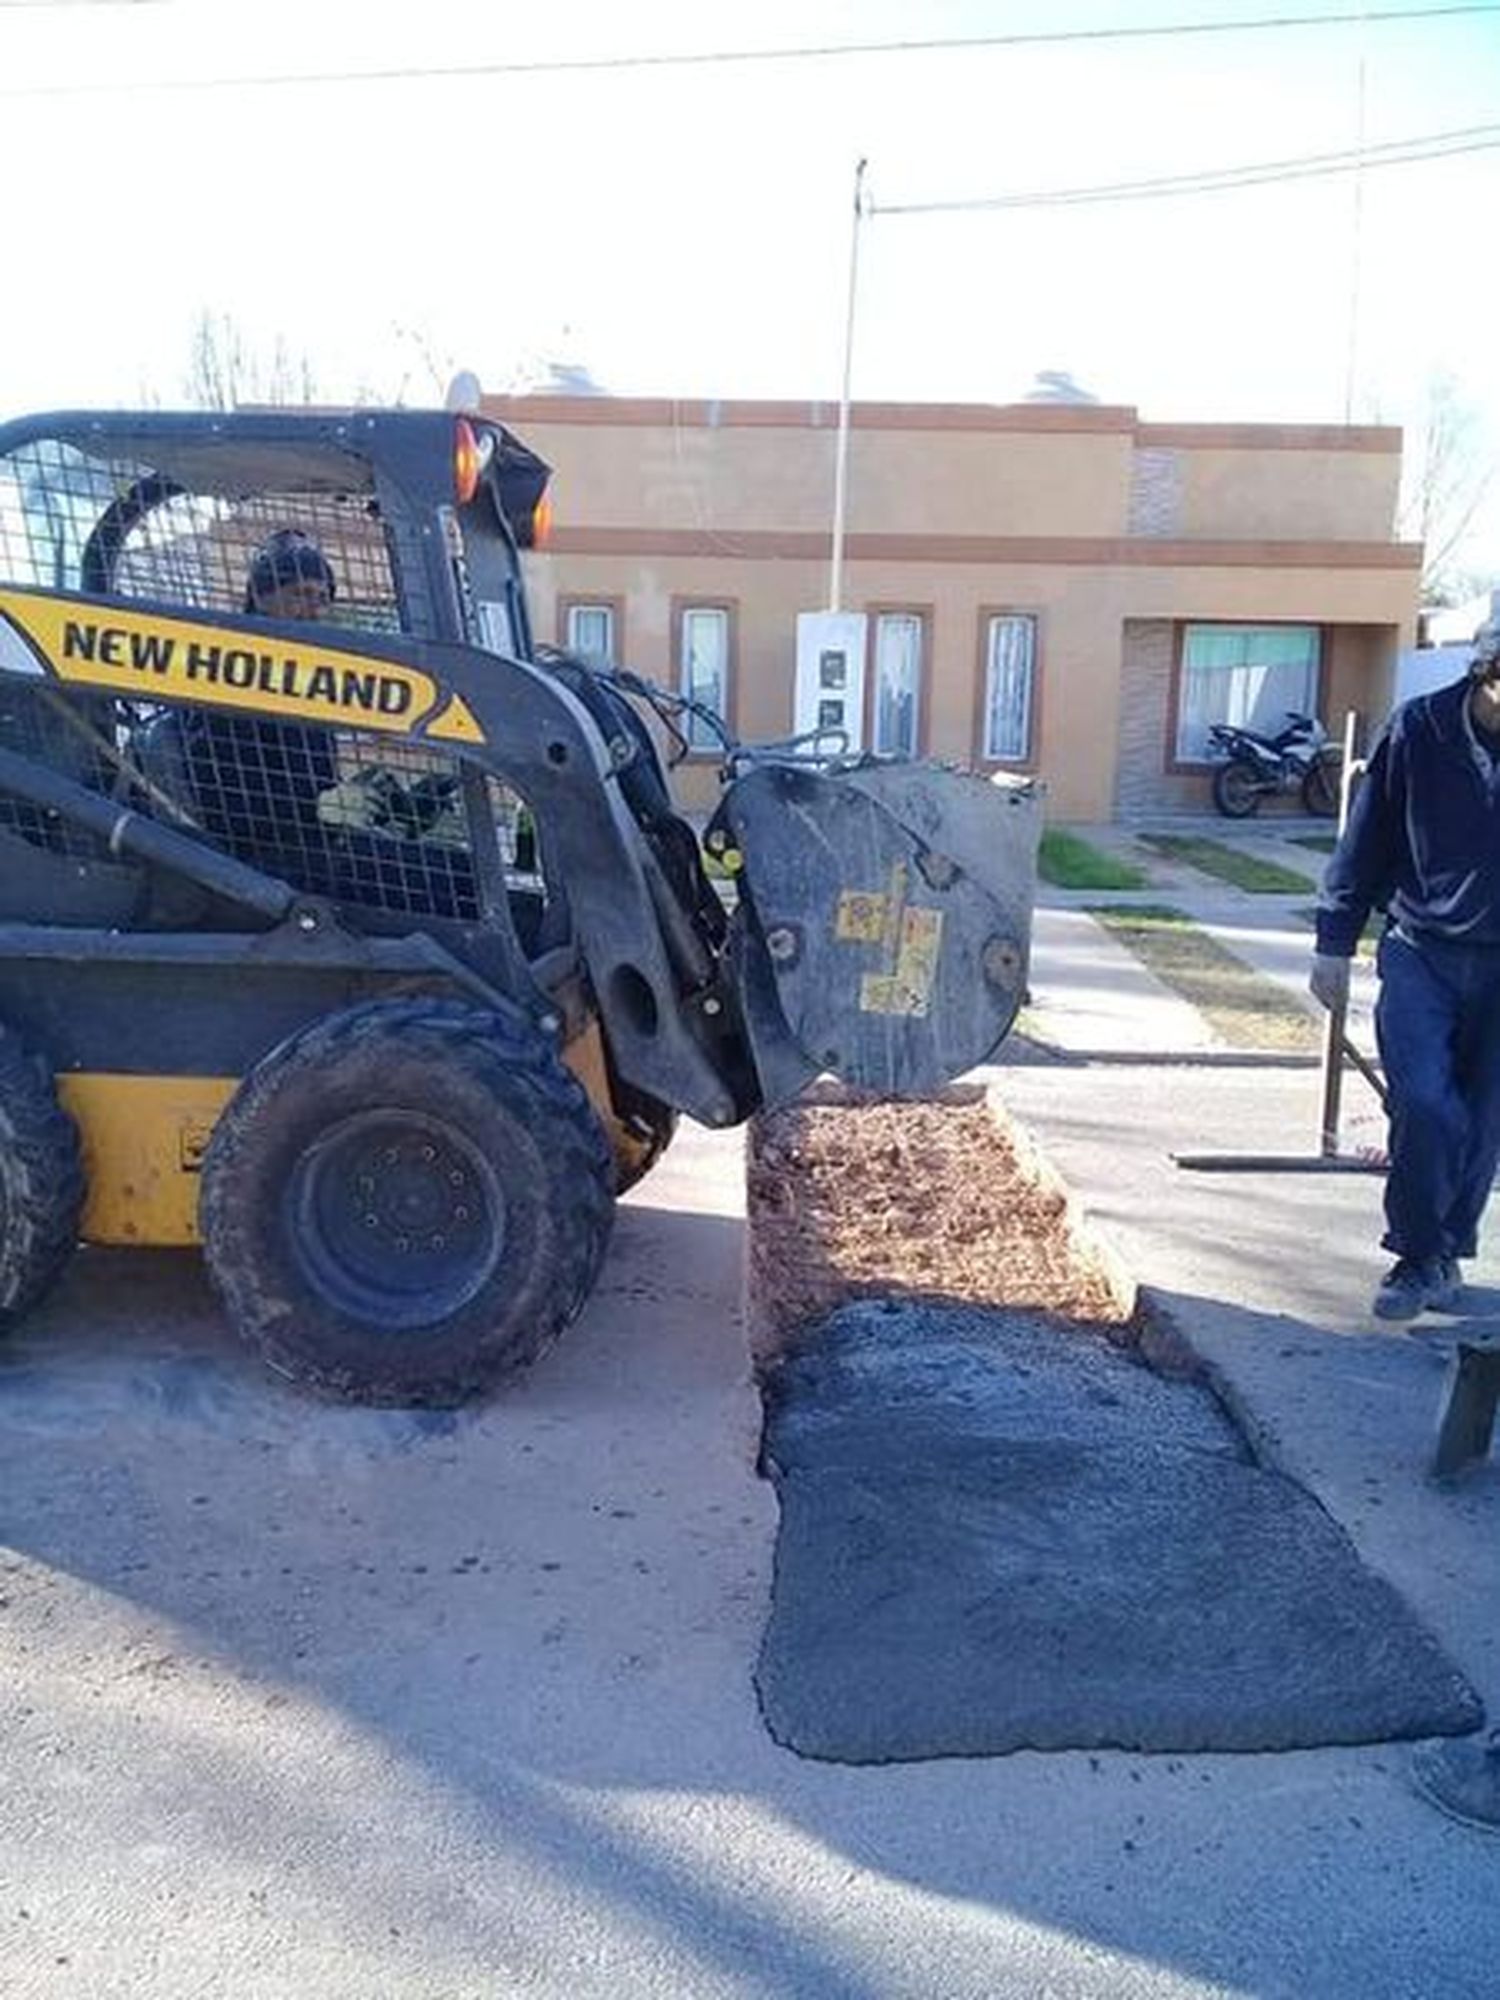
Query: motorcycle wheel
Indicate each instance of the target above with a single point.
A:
(1320, 787)
(1237, 789)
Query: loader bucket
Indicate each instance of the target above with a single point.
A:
(884, 925)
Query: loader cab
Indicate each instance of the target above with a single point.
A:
(420, 518)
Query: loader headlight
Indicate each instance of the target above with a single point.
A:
(471, 454)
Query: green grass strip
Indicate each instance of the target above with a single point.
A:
(1229, 864)
(1320, 843)
(1070, 863)
(1244, 1008)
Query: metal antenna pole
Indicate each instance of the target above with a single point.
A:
(841, 458)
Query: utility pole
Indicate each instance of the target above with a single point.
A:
(841, 458)
(1356, 243)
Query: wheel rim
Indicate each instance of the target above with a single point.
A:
(396, 1218)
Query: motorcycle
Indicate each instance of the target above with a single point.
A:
(1300, 758)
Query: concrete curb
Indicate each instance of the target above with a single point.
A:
(1171, 1058)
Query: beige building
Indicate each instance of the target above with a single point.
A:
(1053, 588)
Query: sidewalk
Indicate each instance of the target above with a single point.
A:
(1090, 994)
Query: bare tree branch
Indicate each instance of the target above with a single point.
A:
(223, 370)
(1450, 470)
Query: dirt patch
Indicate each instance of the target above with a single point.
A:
(944, 1200)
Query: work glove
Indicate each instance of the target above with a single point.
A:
(1329, 980)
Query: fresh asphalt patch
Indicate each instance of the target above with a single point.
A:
(998, 1533)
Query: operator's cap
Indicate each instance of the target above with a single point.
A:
(288, 556)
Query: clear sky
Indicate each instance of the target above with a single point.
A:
(685, 230)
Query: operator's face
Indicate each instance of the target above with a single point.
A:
(303, 597)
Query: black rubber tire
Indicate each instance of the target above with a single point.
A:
(1320, 787)
(369, 1121)
(41, 1180)
(1236, 789)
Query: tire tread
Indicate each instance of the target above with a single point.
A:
(43, 1172)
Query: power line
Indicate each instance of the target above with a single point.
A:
(1215, 180)
(579, 65)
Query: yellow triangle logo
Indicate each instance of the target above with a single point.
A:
(456, 724)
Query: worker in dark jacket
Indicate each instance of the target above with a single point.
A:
(1423, 844)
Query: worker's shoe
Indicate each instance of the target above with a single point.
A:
(1450, 1287)
(1416, 1285)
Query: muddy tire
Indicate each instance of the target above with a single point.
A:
(1236, 789)
(41, 1180)
(406, 1202)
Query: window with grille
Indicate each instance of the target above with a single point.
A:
(1249, 675)
(703, 667)
(897, 697)
(1009, 687)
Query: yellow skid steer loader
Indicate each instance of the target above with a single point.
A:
(346, 931)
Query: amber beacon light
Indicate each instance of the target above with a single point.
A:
(468, 462)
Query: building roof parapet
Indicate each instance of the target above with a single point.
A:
(1117, 419)
(692, 413)
(1271, 437)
